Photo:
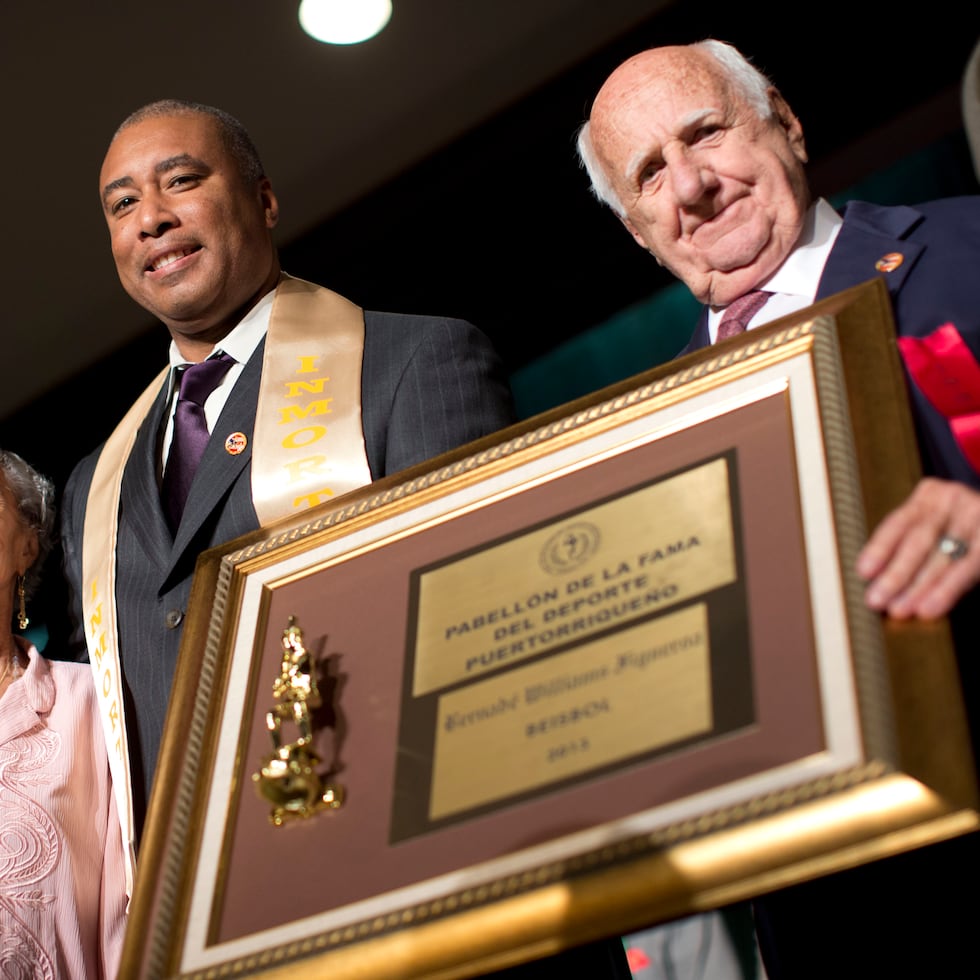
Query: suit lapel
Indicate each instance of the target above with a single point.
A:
(868, 235)
(140, 489)
(701, 336)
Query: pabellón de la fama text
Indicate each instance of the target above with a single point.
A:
(580, 605)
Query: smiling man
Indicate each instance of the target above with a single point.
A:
(190, 226)
(279, 395)
(703, 162)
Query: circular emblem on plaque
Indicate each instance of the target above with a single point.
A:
(235, 443)
(569, 547)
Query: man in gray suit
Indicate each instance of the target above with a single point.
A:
(190, 215)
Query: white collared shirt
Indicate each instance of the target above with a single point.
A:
(794, 284)
(240, 344)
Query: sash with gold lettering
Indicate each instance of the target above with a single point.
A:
(99, 606)
(308, 433)
(307, 446)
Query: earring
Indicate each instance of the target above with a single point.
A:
(22, 620)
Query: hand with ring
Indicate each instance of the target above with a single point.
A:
(925, 555)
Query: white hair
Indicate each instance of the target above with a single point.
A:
(33, 496)
(745, 78)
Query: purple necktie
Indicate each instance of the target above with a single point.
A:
(739, 313)
(190, 437)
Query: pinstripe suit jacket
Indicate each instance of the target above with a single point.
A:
(428, 386)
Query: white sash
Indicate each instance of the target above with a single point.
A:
(308, 431)
(99, 606)
(308, 445)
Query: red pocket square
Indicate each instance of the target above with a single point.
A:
(946, 372)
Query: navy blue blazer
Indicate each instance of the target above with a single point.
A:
(937, 282)
(898, 917)
(428, 385)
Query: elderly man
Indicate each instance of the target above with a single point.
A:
(703, 161)
(279, 395)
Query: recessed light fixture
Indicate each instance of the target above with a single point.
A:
(343, 21)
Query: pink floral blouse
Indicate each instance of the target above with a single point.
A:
(62, 874)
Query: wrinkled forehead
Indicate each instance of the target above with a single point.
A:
(656, 91)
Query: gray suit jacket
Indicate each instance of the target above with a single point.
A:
(428, 386)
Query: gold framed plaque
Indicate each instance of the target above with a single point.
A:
(606, 668)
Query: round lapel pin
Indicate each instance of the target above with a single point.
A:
(235, 443)
(889, 262)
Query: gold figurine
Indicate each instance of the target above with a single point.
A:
(288, 778)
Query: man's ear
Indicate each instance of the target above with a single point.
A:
(783, 115)
(270, 203)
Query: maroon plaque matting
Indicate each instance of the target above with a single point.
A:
(603, 669)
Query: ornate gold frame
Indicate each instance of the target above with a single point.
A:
(892, 769)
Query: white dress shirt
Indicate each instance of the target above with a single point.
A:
(240, 345)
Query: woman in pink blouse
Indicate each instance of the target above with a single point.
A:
(62, 872)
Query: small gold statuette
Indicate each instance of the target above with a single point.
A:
(288, 776)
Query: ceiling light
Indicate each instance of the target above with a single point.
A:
(343, 21)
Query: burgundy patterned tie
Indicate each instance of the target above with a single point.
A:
(190, 432)
(739, 312)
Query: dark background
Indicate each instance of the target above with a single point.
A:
(498, 226)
